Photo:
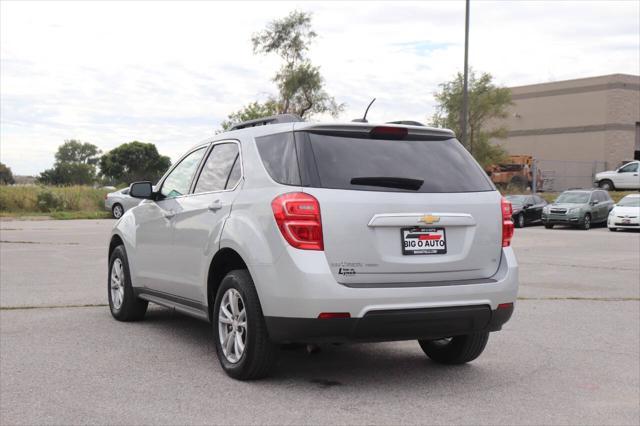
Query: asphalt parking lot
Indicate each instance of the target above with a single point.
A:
(569, 356)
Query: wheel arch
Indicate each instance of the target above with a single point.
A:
(115, 242)
(224, 261)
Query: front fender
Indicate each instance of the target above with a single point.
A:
(125, 229)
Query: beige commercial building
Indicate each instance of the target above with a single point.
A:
(593, 119)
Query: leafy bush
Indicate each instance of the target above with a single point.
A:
(49, 201)
(26, 199)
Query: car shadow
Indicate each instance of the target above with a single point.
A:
(367, 365)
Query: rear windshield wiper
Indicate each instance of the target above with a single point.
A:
(389, 182)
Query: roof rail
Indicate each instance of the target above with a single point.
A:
(407, 123)
(263, 121)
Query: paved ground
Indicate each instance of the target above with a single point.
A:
(569, 355)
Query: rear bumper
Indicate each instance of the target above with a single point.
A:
(300, 286)
(391, 325)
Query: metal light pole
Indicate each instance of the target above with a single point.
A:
(465, 90)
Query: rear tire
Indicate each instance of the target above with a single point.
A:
(586, 222)
(258, 355)
(520, 221)
(455, 350)
(117, 211)
(123, 303)
(518, 182)
(606, 185)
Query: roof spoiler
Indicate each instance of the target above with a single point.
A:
(263, 121)
(363, 130)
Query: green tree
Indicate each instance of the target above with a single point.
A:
(132, 162)
(75, 165)
(487, 102)
(74, 151)
(299, 82)
(6, 175)
(250, 112)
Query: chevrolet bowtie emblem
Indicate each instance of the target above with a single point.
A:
(429, 219)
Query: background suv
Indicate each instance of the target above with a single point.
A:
(580, 208)
(286, 231)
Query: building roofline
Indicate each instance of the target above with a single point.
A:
(580, 82)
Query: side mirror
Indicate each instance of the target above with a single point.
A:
(594, 202)
(141, 190)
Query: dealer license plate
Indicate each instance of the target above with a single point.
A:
(423, 241)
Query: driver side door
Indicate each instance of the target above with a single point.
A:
(153, 267)
(628, 177)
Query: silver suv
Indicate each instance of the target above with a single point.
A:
(286, 231)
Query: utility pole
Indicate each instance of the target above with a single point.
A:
(465, 90)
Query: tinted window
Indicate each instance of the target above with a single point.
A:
(629, 168)
(216, 174)
(179, 180)
(278, 153)
(396, 165)
(604, 196)
(539, 200)
(516, 199)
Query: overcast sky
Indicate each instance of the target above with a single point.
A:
(169, 73)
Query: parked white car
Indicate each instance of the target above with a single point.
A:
(624, 177)
(625, 214)
(287, 231)
(118, 202)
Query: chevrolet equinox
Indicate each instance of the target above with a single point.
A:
(283, 231)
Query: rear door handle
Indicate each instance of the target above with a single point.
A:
(169, 214)
(215, 206)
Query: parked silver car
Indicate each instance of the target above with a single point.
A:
(287, 231)
(118, 202)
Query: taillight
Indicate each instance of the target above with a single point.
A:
(298, 217)
(387, 132)
(507, 222)
(334, 315)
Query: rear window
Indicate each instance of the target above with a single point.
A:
(338, 162)
(432, 166)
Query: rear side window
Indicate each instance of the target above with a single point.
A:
(278, 153)
(222, 169)
(430, 166)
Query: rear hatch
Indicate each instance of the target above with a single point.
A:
(399, 207)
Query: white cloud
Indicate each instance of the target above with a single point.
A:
(169, 72)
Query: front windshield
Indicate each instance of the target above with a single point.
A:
(516, 199)
(630, 202)
(573, 198)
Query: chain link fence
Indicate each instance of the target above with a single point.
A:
(559, 175)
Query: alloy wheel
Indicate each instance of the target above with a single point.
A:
(117, 283)
(232, 325)
(117, 211)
